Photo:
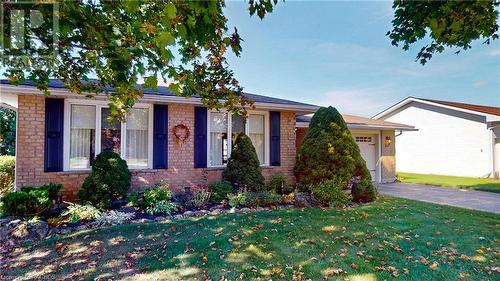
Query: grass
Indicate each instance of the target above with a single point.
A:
(387, 239)
(491, 185)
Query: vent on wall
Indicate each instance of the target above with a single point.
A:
(363, 139)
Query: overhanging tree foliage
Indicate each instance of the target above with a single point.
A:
(121, 42)
(7, 131)
(446, 23)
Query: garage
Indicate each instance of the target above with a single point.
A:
(368, 149)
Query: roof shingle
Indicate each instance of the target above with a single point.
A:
(165, 91)
(474, 107)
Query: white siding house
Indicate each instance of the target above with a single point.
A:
(451, 139)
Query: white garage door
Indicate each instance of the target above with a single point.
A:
(366, 145)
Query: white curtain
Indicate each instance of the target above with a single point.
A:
(136, 152)
(82, 136)
(256, 134)
(218, 138)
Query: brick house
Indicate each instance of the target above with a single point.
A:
(58, 136)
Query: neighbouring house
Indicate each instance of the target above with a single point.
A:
(376, 141)
(58, 136)
(455, 139)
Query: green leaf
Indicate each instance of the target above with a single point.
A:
(151, 82)
(164, 38)
(171, 10)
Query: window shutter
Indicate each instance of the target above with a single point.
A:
(54, 124)
(160, 136)
(200, 137)
(275, 149)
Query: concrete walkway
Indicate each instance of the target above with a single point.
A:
(470, 199)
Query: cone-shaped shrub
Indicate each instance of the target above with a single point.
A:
(108, 180)
(243, 167)
(330, 152)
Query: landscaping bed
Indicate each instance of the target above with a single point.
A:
(388, 239)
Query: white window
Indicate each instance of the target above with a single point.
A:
(82, 136)
(223, 129)
(89, 132)
(257, 133)
(136, 150)
(218, 149)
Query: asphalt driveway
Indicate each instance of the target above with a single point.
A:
(470, 199)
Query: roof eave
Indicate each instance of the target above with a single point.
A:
(56, 92)
(364, 126)
(408, 100)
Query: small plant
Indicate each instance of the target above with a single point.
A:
(236, 200)
(288, 198)
(183, 198)
(279, 184)
(330, 192)
(156, 194)
(200, 199)
(261, 199)
(77, 212)
(364, 191)
(113, 218)
(219, 190)
(162, 207)
(109, 180)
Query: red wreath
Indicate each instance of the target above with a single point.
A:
(181, 133)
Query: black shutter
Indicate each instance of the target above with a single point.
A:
(54, 125)
(160, 136)
(200, 137)
(275, 138)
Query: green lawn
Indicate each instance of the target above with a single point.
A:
(491, 185)
(392, 237)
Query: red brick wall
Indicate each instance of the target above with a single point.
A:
(301, 134)
(181, 171)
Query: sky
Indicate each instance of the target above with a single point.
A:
(337, 53)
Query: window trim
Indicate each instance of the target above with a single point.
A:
(230, 134)
(98, 106)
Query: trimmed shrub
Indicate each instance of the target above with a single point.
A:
(52, 189)
(219, 190)
(331, 193)
(15, 204)
(243, 167)
(7, 174)
(261, 199)
(329, 152)
(109, 180)
(280, 185)
(30, 200)
(364, 191)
